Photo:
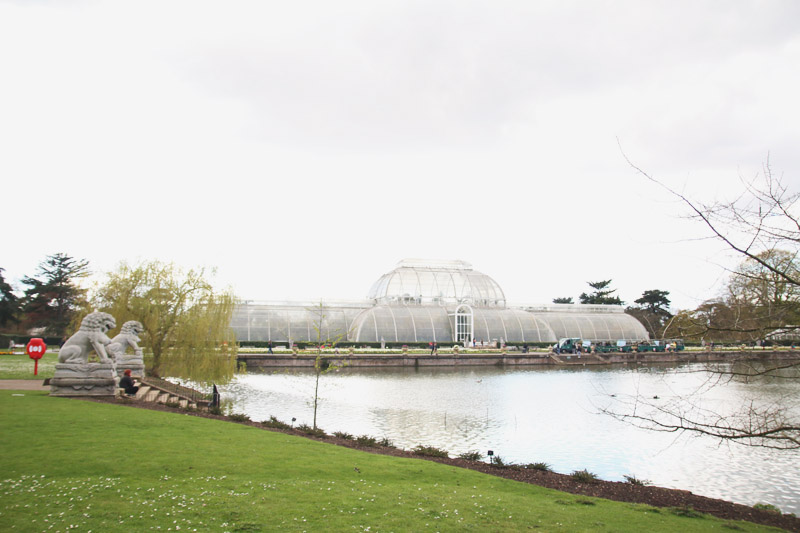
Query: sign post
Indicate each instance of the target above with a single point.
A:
(35, 350)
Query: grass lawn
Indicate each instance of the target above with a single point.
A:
(72, 464)
(21, 366)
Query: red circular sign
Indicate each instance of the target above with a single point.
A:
(35, 348)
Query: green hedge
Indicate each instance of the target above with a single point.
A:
(6, 338)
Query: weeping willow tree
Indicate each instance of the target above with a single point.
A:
(186, 323)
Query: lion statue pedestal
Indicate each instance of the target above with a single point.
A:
(91, 379)
(132, 363)
(128, 338)
(75, 375)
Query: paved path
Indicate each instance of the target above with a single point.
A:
(23, 384)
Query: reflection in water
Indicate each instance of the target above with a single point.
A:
(530, 415)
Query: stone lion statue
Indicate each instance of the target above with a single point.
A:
(90, 336)
(128, 337)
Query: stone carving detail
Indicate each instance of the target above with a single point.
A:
(75, 375)
(128, 337)
(90, 337)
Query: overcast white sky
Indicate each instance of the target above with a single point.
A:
(303, 148)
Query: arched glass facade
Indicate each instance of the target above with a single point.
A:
(511, 325)
(604, 326)
(285, 321)
(402, 324)
(443, 301)
(591, 322)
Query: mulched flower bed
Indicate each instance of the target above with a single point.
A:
(679, 501)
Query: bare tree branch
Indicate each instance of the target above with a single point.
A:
(749, 220)
(761, 224)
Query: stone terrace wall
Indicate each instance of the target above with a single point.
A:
(511, 359)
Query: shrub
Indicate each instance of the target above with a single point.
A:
(496, 460)
(543, 467)
(343, 435)
(239, 417)
(275, 423)
(172, 404)
(767, 507)
(429, 451)
(215, 410)
(305, 429)
(386, 443)
(584, 476)
(636, 481)
(471, 456)
(366, 440)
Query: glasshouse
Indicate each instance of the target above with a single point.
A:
(424, 301)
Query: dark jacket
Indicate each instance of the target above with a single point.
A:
(127, 383)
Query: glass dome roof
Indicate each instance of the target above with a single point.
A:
(416, 281)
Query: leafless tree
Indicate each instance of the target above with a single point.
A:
(762, 225)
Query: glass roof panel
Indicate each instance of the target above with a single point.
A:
(436, 282)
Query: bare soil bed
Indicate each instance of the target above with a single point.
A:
(680, 501)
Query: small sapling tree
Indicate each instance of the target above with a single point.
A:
(325, 337)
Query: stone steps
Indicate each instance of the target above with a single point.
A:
(143, 390)
(154, 395)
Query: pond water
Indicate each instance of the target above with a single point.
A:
(540, 415)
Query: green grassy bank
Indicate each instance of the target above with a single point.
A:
(72, 464)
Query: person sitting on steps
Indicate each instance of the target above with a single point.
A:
(127, 383)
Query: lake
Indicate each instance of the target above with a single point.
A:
(530, 415)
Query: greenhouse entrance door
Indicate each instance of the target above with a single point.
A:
(464, 322)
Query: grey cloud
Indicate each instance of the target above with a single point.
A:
(460, 73)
